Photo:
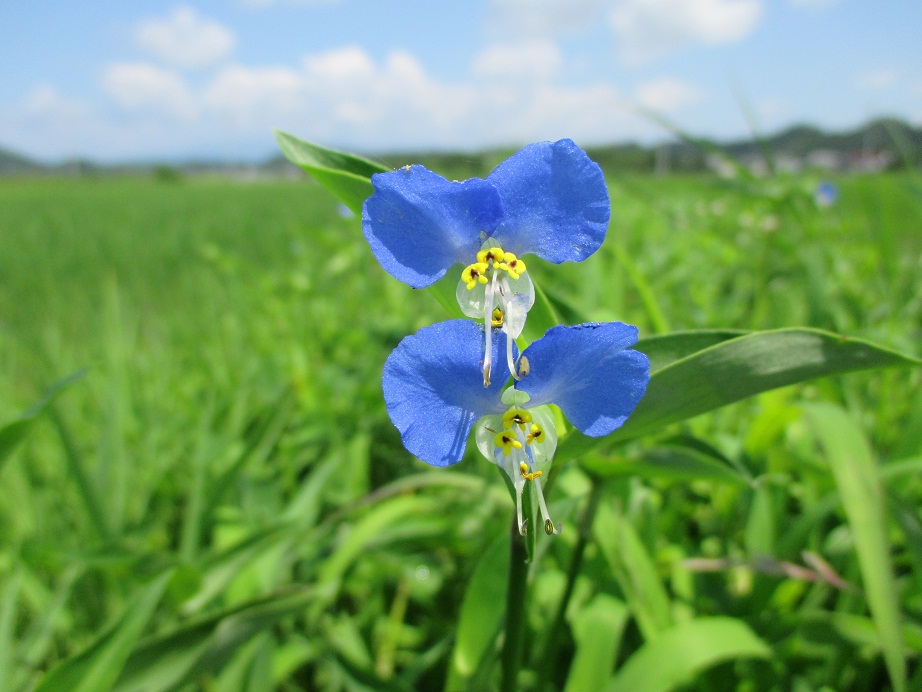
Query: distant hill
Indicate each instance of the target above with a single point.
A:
(885, 143)
(14, 164)
(881, 144)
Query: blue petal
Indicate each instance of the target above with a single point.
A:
(555, 202)
(590, 372)
(434, 392)
(419, 224)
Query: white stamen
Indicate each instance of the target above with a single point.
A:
(488, 326)
(545, 514)
(509, 360)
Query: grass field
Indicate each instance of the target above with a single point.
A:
(221, 501)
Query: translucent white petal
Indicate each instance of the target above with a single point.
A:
(510, 287)
(471, 301)
(513, 397)
(485, 430)
(516, 313)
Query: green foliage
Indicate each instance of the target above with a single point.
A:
(222, 503)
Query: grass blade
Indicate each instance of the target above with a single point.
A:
(203, 647)
(635, 572)
(480, 617)
(855, 471)
(98, 667)
(597, 629)
(13, 433)
(684, 650)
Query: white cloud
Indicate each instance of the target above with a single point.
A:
(535, 60)
(648, 29)
(343, 98)
(185, 39)
(44, 100)
(141, 87)
(876, 80)
(667, 95)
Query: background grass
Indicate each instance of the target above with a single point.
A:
(230, 428)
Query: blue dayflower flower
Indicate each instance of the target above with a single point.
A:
(434, 398)
(548, 199)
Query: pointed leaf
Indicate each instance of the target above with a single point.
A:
(346, 176)
(737, 369)
(13, 433)
(665, 349)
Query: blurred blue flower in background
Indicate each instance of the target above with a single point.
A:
(435, 399)
(826, 194)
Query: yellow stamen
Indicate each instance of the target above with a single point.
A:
(507, 442)
(516, 416)
(498, 318)
(493, 253)
(473, 273)
(523, 468)
(513, 265)
(536, 434)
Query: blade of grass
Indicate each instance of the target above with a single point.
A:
(597, 629)
(13, 433)
(682, 651)
(855, 472)
(98, 667)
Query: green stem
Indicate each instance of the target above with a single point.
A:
(515, 609)
(548, 654)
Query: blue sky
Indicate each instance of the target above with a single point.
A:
(154, 80)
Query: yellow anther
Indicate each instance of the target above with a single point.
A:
(473, 273)
(498, 318)
(507, 442)
(492, 253)
(513, 265)
(536, 434)
(516, 416)
(523, 468)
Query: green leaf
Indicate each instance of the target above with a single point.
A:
(670, 463)
(852, 463)
(635, 572)
(736, 369)
(13, 433)
(679, 653)
(8, 604)
(168, 661)
(98, 667)
(665, 349)
(346, 176)
(597, 629)
(481, 614)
